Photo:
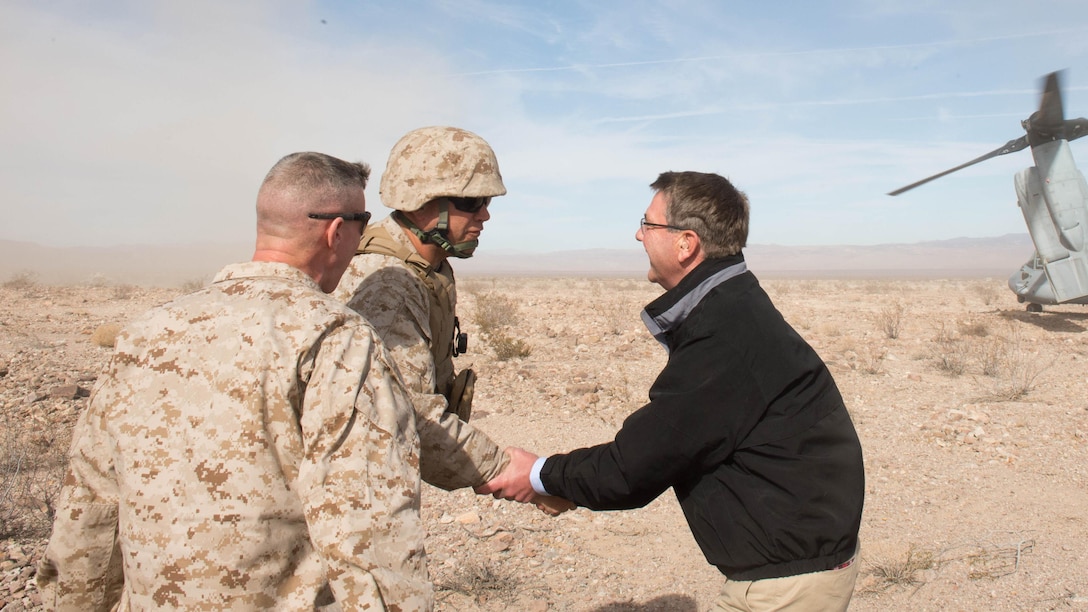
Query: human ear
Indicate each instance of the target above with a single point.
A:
(688, 246)
(332, 233)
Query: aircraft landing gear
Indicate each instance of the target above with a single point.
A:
(1033, 307)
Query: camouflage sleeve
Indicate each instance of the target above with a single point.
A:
(394, 302)
(81, 568)
(454, 454)
(359, 478)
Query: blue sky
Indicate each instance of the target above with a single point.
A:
(153, 122)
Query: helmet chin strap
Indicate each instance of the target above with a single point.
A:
(439, 234)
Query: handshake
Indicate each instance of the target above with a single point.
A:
(514, 484)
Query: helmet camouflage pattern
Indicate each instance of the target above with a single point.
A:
(435, 162)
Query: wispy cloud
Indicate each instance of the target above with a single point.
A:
(778, 54)
(154, 121)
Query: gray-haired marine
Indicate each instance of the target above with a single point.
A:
(250, 445)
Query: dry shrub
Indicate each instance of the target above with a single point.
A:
(507, 348)
(901, 572)
(22, 280)
(986, 293)
(123, 292)
(992, 356)
(1014, 368)
(950, 352)
(995, 561)
(193, 284)
(977, 329)
(868, 360)
(31, 474)
(476, 286)
(106, 335)
(496, 315)
(873, 360)
(877, 287)
(495, 311)
(890, 319)
(482, 581)
(777, 288)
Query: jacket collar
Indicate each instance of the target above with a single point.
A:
(663, 315)
(265, 269)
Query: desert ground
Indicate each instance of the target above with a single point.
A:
(972, 412)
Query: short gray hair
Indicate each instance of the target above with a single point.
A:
(315, 177)
(710, 206)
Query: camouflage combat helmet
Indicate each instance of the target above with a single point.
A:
(433, 162)
(439, 162)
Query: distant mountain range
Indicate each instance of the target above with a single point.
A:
(170, 265)
(955, 258)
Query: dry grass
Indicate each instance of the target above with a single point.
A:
(901, 572)
(987, 293)
(106, 335)
(994, 561)
(497, 315)
(495, 312)
(1013, 368)
(950, 350)
(866, 359)
(1004, 359)
(507, 347)
(482, 581)
(983, 560)
(916, 398)
(890, 319)
(976, 329)
(124, 292)
(32, 469)
(22, 280)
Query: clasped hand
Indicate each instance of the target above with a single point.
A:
(514, 484)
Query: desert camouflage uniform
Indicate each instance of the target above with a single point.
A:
(389, 294)
(249, 446)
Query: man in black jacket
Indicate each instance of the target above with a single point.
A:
(745, 422)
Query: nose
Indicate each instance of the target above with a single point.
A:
(482, 214)
(638, 233)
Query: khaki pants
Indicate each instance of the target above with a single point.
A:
(816, 592)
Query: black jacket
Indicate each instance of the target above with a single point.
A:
(745, 423)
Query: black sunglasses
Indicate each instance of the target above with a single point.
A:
(363, 216)
(469, 205)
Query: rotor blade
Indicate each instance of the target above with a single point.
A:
(1047, 124)
(1050, 107)
(1075, 128)
(1011, 146)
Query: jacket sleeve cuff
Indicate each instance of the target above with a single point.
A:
(534, 476)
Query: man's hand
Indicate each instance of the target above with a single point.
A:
(552, 505)
(513, 484)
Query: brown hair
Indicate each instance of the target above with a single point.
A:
(710, 206)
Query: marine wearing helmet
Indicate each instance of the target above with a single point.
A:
(439, 182)
(443, 166)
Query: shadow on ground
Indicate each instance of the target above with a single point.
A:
(665, 603)
(1069, 322)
